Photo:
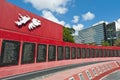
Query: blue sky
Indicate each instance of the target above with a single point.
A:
(78, 14)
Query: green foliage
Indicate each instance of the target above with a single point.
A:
(105, 43)
(117, 42)
(67, 34)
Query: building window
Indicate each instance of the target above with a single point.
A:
(41, 52)
(60, 53)
(10, 53)
(51, 53)
(28, 51)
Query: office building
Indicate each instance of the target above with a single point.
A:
(111, 33)
(98, 33)
(95, 34)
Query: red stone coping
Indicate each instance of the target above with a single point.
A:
(20, 69)
(94, 71)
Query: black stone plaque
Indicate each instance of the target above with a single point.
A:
(88, 53)
(108, 52)
(97, 52)
(83, 53)
(78, 52)
(111, 54)
(28, 52)
(93, 53)
(51, 53)
(67, 52)
(73, 53)
(104, 53)
(100, 53)
(41, 53)
(60, 53)
(119, 53)
(10, 52)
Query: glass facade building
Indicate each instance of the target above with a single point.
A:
(111, 33)
(95, 34)
(98, 33)
(118, 34)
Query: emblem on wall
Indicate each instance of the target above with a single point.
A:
(34, 23)
(22, 20)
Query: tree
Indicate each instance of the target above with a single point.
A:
(67, 34)
(117, 42)
(105, 43)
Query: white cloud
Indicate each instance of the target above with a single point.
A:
(48, 15)
(77, 28)
(118, 20)
(75, 19)
(67, 25)
(88, 16)
(58, 6)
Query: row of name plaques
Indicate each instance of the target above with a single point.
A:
(11, 49)
(10, 52)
